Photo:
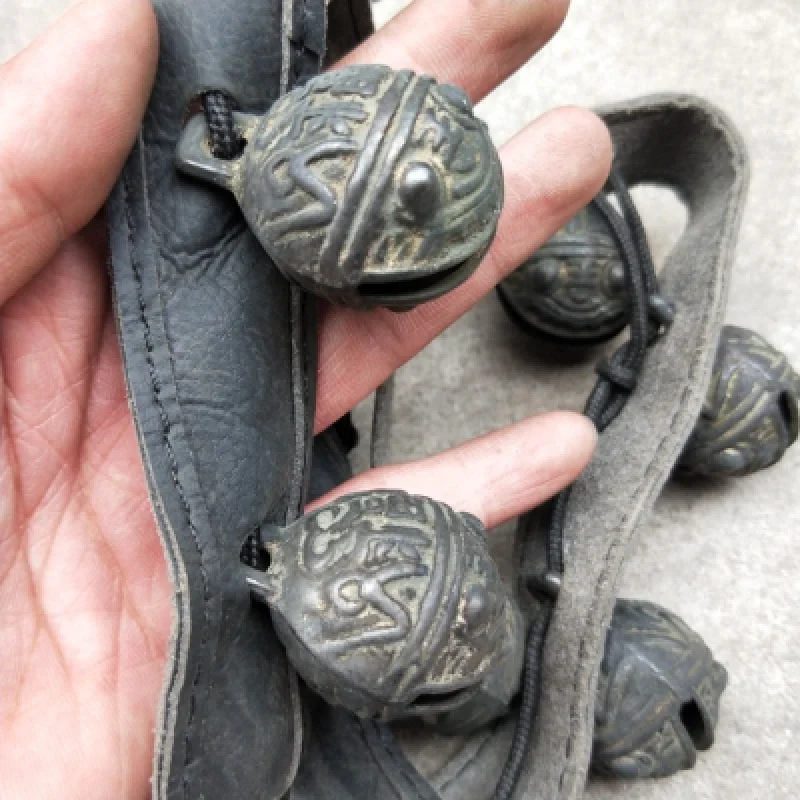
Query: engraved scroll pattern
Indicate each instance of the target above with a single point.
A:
(747, 416)
(457, 146)
(574, 283)
(305, 153)
(372, 559)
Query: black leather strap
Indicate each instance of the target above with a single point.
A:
(219, 357)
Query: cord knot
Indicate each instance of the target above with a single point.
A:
(620, 376)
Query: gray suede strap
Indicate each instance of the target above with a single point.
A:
(685, 144)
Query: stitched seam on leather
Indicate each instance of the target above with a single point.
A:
(165, 435)
(299, 401)
(624, 541)
(126, 191)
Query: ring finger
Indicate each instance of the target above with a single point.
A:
(510, 470)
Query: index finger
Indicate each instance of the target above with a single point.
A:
(551, 170)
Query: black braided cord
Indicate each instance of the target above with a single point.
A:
(650, 315)
(223, 139)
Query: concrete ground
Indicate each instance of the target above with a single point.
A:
(724, 556)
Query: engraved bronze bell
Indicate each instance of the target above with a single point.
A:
(366, 186)
(750, 416)
(390, 605)
(573, 288)
(657, 694)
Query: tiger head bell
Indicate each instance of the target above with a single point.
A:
(367, 186)
(572, 289)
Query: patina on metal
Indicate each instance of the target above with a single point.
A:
(750, 417)
(573, 288)
(657, 696)
(366, 186)
(390, 605)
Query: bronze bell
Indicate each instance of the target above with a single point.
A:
(573, 288)
(750, 416)
(366, 186)
(657, 694)
(390, 605)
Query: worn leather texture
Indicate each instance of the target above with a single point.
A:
(219, 359)
(683, 143)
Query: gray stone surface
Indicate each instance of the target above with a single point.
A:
(724, 556)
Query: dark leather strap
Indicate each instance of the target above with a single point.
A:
(349, 23)
(219, 357)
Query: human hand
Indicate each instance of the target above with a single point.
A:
(85, 601)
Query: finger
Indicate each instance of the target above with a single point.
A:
(70, 106)
(498, 476)
(552, 169)
(475, 44)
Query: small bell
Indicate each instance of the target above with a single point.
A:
(573, 288)
(750, 416)
(391, 606)
(366, 186)
(657, 694)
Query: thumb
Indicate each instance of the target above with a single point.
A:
(70, 107)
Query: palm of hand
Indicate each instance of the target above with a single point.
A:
(83, 585)
(85, 601)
